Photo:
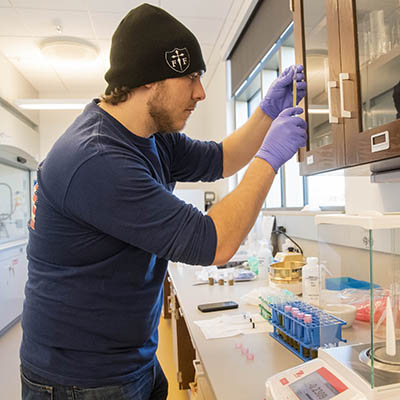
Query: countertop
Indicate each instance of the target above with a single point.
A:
(230, 374)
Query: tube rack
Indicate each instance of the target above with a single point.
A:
(301, 338)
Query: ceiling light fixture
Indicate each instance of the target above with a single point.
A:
(52, 104)
(68, 49)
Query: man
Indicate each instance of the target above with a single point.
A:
(396, 99)
(106, 222)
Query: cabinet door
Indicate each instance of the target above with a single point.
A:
(13, 275)
(184, 352)
(370, 41)
(316, 31)
(166, 310)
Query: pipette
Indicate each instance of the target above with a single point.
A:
(294, 87)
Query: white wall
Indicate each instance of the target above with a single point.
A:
(13, 131)
(361, 195)
(15, 86)
(52, 125)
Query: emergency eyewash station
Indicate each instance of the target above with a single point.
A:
(306, 350)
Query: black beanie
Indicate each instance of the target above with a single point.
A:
(150, 45)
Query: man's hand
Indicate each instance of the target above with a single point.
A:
(280, 93)
(285, 136)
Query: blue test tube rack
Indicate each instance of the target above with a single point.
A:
(303, 339)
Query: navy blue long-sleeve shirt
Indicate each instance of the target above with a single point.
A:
(105, 224)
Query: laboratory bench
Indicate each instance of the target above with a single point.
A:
(222, 371)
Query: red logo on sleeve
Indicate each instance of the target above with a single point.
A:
(34, 202)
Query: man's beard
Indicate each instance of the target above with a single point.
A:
(161, 117)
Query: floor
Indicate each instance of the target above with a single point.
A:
(9, 362)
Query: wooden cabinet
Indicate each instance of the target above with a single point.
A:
(166, 311)
(184, 352)
(351, 53)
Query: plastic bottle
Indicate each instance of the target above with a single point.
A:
(264, 255)
(311, 281)
(251, 245)
(253, 264)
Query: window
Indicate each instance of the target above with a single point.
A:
(289, 189)
(326, 190)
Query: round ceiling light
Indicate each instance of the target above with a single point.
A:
(68, 49)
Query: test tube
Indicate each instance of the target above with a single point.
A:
(280, 314)
(221, 279)
(300, 332)
(307, 335)
(308, 321)
(294, 86)
(286, 320)
(295, 312)
(210, 278)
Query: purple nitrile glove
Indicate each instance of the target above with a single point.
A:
(285, 136)
(280, 93)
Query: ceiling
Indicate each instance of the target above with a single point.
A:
(25, 24)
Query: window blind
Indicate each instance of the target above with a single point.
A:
(267, 22)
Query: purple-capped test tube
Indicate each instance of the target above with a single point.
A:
(307, 333)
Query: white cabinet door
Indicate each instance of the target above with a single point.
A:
(13, 275)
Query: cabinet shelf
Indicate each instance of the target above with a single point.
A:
(381, 72)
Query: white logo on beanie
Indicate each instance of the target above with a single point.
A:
(178, 59)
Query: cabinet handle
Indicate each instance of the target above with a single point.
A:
(180, 312)
(332, 119)
(198, 368)
(169, 303)
(343, 76)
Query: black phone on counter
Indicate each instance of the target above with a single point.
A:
(222, 305)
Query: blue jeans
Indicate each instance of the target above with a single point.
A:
(152, 385)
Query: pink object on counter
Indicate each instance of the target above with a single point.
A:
(250, 356)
